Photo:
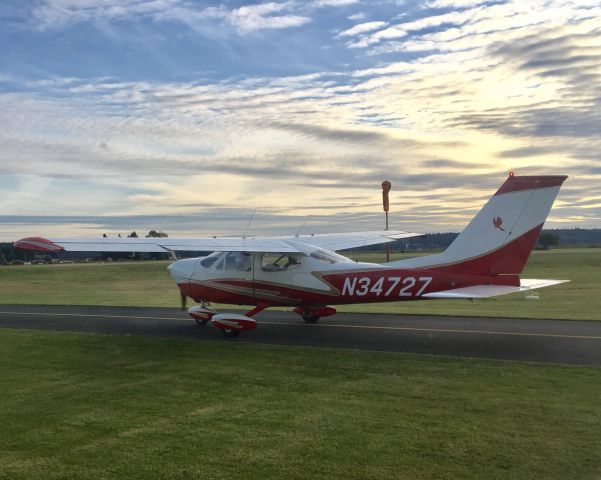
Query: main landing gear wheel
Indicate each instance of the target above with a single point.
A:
(230, 332)
(308, 317)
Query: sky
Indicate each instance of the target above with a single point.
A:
(194, 117)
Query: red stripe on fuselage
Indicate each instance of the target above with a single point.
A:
(201, 292)
(395, 285)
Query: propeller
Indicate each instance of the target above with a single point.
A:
(184, 299)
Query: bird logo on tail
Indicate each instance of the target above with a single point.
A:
(497, 222)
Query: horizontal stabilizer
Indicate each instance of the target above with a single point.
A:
(486, 291)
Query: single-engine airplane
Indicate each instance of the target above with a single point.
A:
(306, 273)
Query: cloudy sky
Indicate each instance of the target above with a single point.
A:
(187, 115)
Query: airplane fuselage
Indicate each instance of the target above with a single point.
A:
(312, 280)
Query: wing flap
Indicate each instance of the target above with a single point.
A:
(487, 291)
(112, 247)
(344, 241)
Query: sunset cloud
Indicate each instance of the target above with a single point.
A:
(173, 110)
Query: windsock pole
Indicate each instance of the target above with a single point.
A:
(386, 185)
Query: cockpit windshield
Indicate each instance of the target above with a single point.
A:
(208, 261)
(328, 257)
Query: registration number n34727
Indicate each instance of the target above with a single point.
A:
(386, 286)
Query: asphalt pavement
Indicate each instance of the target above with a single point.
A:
(556, 341)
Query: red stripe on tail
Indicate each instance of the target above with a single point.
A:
(508, 259)
(516, 184)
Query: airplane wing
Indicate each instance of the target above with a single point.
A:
(486, 291)
(157, 245)
(344, 241)
(210, 244)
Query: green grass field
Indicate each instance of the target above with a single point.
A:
(149, 284)
(87, 406)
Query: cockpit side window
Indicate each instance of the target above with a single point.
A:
(277, 262)
(239, 261)
(232, 261)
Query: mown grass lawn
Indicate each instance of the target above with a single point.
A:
(87, 406)
(149, 284)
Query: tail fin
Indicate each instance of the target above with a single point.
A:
(501, 236)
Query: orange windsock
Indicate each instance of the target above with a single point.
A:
(386, 185)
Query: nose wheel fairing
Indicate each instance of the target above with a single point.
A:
(231, 324)
(202, 314)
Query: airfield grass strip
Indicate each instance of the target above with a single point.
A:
(149, 284)
(89, 406)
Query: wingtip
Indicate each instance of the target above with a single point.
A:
(38, 244)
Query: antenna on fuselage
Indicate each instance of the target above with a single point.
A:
(302, 226)
(249, 222)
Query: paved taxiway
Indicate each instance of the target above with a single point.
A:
(575, 342)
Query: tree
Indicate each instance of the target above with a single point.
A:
(133, 235)
(8, 252)
(155, 234)
(547, 239)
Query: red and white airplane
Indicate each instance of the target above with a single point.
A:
(305, 273)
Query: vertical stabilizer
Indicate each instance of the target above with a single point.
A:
(501, 236)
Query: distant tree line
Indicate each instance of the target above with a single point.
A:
(9, 253)
(582, 237)
(577, 236)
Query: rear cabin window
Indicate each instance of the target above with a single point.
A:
(328, 257)
(278, 262)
